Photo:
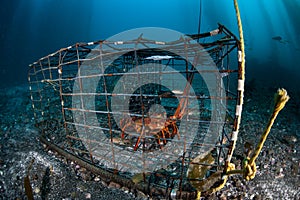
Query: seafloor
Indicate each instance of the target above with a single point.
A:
(278, 175)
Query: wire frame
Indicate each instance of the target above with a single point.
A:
(93, 104)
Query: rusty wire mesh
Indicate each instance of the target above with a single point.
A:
(80, 120)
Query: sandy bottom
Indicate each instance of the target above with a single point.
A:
(53, 177)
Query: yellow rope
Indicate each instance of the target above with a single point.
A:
(249, 166)
(229, 166)
(240, 27)
(280, 98)
(198, 195)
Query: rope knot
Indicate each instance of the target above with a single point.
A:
(249, 169)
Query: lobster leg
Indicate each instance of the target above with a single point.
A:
(163, 136)
(175, 131)
(141, 129)
(123, 130)
(136, 146)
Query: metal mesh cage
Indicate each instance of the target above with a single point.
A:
(147, 114)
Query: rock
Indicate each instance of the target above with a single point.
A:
(37, 190)
(114, 185)
(238, 183)
(295, 169)
(104, 183)
(141, 195)
(74, 195)
(125, 189)
(257, 197)
(88, 195)
(87, 176)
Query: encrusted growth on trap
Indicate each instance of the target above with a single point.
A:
(141, 112)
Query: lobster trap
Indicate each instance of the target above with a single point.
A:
(159, 116)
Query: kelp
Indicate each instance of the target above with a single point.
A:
(28, 188)
(198, 169)
(45, 189)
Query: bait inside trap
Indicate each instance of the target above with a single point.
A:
(156, 116)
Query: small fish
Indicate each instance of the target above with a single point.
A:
(159, 57)
(280, 39)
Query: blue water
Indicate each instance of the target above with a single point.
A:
(31, 29)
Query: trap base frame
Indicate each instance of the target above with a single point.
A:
(51, 79)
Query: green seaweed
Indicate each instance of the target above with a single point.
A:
(198, 169)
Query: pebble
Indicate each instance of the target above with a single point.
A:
(223, 197)
(289, 139)
(238, 183)
(104, 183)
(273, 161)
(74, 195)
(257, 197)
(114, 185)
(86, 176)
(88, 195)
(37, 190)
(125, 189)
(141, 194)
(81, 169)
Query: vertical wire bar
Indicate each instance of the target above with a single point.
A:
(82, 100)
(107, 107)
(42, 70)
(32, 67)
(227, 68)
(60, 76)
(39, 88)
(60, 72)
(49, 67)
